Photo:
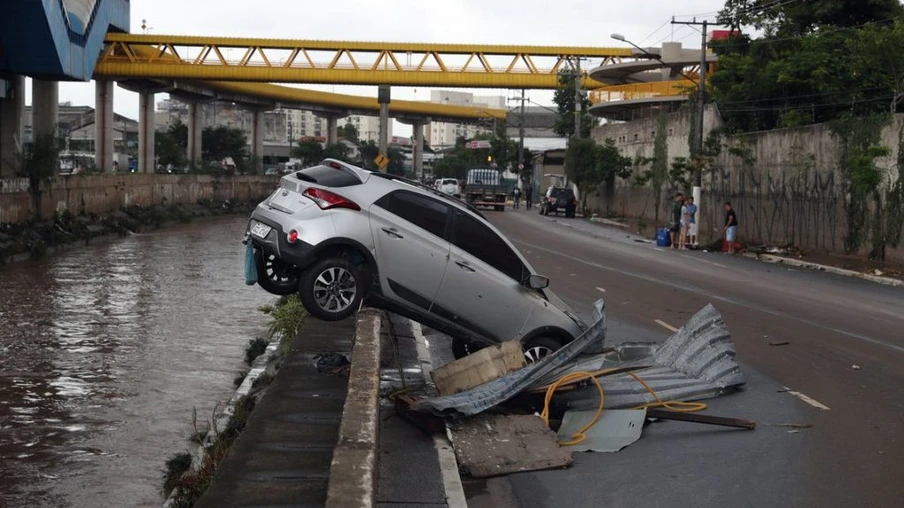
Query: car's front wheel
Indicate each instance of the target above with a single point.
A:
(274, 275)
(538, 348)
(331, 289)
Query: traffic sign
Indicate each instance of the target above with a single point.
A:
(520, 167)
(381, 161)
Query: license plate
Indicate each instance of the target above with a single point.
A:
(260, 230)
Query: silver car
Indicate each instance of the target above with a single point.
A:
(338, 234)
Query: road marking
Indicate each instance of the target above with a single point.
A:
(601, 290)
(665, 325)
(813, 402)
(448, 466)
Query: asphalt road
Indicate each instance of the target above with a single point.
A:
(845, 351)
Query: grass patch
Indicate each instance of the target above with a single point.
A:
(286, 319)
(174, 468)
(237, 382)
(191, 485)
(255, 348)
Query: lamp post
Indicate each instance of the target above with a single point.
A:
(697, 149)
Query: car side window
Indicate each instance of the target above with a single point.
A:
(421, 211)
(469, 235)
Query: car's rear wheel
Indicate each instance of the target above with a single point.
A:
(274, 275)
(538, 348)
(331, 289)
(500, 208)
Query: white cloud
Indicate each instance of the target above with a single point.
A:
(528, 22)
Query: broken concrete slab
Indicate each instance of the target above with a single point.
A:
(493, 445)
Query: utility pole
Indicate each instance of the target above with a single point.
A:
(701, 108)
(577, 97)
(521, 136)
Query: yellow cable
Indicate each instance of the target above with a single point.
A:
(579, 436)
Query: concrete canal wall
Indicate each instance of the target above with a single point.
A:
(788, 188)
(101, 194)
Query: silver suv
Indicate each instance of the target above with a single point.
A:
(338, 234)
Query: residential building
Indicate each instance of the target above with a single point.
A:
(441, 135)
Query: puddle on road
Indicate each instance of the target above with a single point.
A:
(104, 351)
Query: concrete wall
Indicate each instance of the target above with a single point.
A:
(107, 193)
(792, 192)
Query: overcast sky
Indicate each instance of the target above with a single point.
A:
(529, 22)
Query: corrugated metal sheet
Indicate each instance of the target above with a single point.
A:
(697, 362)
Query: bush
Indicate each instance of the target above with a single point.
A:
(255, 348)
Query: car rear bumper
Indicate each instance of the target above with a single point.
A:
(299, 253)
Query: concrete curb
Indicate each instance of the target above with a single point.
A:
(258, 367)
(769, 258)
(353, 471)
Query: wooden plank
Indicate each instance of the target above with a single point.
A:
(476, 369)
(493, 445)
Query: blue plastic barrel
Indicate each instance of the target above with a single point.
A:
(662, 237)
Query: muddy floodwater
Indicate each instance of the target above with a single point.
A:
(105, 350)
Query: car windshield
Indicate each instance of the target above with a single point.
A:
(449, 182)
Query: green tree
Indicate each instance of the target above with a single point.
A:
(581, 167)
(565, 103)
(349, 132)
(310, 151)
(369, 152)
(39, 161)
(338, 151)
(791, 18)
(220, 142)
(171, 145)
(396, 162)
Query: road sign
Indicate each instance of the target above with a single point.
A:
(520, 167)
(381, 161)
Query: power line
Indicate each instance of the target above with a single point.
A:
(663, 25)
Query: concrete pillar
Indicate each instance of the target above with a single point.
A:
(332, 130)
(146, 130)
(12, 125)
(383, 97)
(45, 100)
(418, 151)
(195, 128)
(257, 140)
(103, 125)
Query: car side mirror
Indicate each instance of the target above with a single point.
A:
(537, 282)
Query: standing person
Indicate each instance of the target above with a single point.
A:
(692, 221)
(685, 224)
(516, 197)
(675, 215)
(731, 227)
(527, 195)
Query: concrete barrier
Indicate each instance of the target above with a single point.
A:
(353, 472)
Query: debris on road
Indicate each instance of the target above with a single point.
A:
(614, 430)
(855, 367)
(489, 363)
(493, 445)
(737, 423)
(779, 343)
(594, 396)
(793, 425)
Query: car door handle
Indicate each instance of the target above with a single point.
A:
(392, 232)
(465, 266)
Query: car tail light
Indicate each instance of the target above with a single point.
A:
(292, 237)
(327, 200)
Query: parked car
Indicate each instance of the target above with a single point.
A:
(338, 234)
(559, 199)
(449, 186)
